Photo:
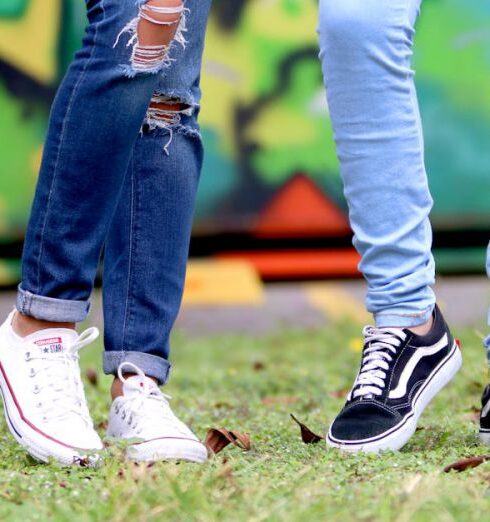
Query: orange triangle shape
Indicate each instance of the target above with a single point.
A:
(301, 208)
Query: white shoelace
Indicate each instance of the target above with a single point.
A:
(57, 382)
(381, 345)
(143, 410)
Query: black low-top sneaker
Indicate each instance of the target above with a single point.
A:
(485, 416)
(400, 373)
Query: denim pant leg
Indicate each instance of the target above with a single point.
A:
(486, 342)
(366, 51)
(94, 124)
(147, 247)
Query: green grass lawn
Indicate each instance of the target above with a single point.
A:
(252, 385)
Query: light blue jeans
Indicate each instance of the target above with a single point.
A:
(366, 51)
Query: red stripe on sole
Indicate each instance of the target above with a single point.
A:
(28, 422)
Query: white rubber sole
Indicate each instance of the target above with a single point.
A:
(39, 445)
(168, 449)
(484, 437)
(399, 435)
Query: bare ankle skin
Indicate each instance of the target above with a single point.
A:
(24, 325)
(422, 329)
(117, 385)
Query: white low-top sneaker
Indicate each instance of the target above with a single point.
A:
(143, 413)
(44, 401)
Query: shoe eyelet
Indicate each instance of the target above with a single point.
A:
(45, 419)
(39, 404)
(36, 389)
(27, 356)
(123, 416)
(32, 372)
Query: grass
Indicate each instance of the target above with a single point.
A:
(252, 385)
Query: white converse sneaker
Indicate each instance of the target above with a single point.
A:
(143, 413)
(44, 401)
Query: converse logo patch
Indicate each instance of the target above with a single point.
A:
(51, 345)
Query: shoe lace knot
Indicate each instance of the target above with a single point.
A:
(380, 347)
(147, 405)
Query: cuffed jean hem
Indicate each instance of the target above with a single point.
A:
(152, 365)
(51, 309)
(486, 345)
(395, 318)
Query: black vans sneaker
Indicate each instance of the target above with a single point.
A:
(400, 374)
(485, 416)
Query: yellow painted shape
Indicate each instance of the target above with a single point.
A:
(269, 17)
(6, 276)
(231, 68)
(336, 303)
(279, 126)
(222, 282)
(30, 42)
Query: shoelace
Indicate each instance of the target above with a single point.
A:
(57, 380)
(381, 345)
(141, 409)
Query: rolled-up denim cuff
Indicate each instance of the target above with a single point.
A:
(152, 365)
(396, 317)
(486, 345)
(51, 309)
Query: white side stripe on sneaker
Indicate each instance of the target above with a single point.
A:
(486, 409)
(421, 352)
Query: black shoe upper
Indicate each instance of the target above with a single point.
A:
(396, 365)
(485, 410)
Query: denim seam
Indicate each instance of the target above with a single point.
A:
(135, 250)
(418, 314)
(60, 142)
(127, 313)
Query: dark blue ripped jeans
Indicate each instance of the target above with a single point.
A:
(119, 177)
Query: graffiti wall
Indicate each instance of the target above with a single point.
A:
(270, 166)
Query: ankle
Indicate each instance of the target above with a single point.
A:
(422, 329)
(23, 325)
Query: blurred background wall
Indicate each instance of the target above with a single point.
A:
(270, 189)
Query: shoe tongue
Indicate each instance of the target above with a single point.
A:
(53, 340)
(136, 384)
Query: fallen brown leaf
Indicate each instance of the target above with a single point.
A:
(339, 394)
(102, 425)
(464, 464)
(92, 376)
(258, 366)
(218, 438)
(307, 436)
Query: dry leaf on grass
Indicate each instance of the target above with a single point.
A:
(307, 435)
(258, 366)
(92, 376)
(339, 394)
(464, 464)
(218, 438)
(473, 415)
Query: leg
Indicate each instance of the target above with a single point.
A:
(94, 124)
(145, 258)
(147, 246)
(366, 57)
